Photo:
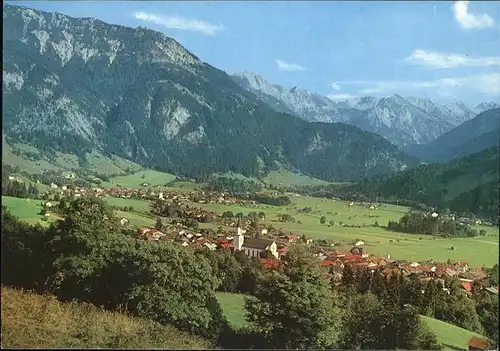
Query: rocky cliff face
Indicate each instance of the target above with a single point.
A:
(403, 121)
(78, 84)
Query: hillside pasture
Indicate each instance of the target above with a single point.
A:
(136, 219)
(138, 205)
(135, 180)
(101, 164)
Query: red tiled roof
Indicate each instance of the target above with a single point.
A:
(478, 343)
(467, 285)
(352, 257)
(269, 263)
(338, 253)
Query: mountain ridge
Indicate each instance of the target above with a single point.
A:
(403, 121)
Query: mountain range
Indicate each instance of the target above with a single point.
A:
(403, 121)
(78, 84)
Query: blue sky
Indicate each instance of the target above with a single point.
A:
(441, 50)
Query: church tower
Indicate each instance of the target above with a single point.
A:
(239, 239)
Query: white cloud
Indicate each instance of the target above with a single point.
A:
(292, 67)
(335, 86)
(484, 83)
(436, 59)
(467, 19)
(181, 23)
(340, 96)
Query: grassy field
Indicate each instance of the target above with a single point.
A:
(135, 180)
(136, 219)
(233, 307)
(35, 321)
(450, 336)
(27, 210)
(138, 205)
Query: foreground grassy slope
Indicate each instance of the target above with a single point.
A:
(34, 321)
(449, 335)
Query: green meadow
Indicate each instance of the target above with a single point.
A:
(233, 306)
(449, 335)
(135, 180)
(27, 210)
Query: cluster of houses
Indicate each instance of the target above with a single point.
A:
(251, 246)
(152, 194)
(270, 252)
(424, 271)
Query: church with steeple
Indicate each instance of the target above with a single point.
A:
(253, 247)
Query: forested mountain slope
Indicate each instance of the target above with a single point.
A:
(468, 184)
(479, 133)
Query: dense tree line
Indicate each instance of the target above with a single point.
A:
(176, 210)
(416, 222)
(295, 306)
(267, 199)
(17, 189)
